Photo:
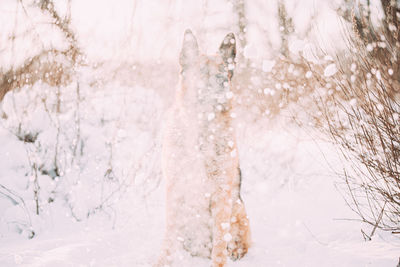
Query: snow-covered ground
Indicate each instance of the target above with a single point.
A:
(297, 216)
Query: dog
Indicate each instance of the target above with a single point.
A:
(205, 214)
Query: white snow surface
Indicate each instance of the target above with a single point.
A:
(297, 216)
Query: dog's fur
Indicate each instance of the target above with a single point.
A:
(205, 213)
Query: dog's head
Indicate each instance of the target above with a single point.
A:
(207, 78)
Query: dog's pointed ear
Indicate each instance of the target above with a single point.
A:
(227, 50)
(190, 49)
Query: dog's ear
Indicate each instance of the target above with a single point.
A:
(227, 50)
(190, 49)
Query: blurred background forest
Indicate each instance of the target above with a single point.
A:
(84, 87)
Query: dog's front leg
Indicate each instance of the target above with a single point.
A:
(221, 208)
(170, 243)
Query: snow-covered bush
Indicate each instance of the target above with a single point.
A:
(73, 139)
(78, 148)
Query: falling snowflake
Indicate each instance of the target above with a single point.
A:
(330, 70)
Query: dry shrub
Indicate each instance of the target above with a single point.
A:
(268, 91)
(51, 67)
(361, 112)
